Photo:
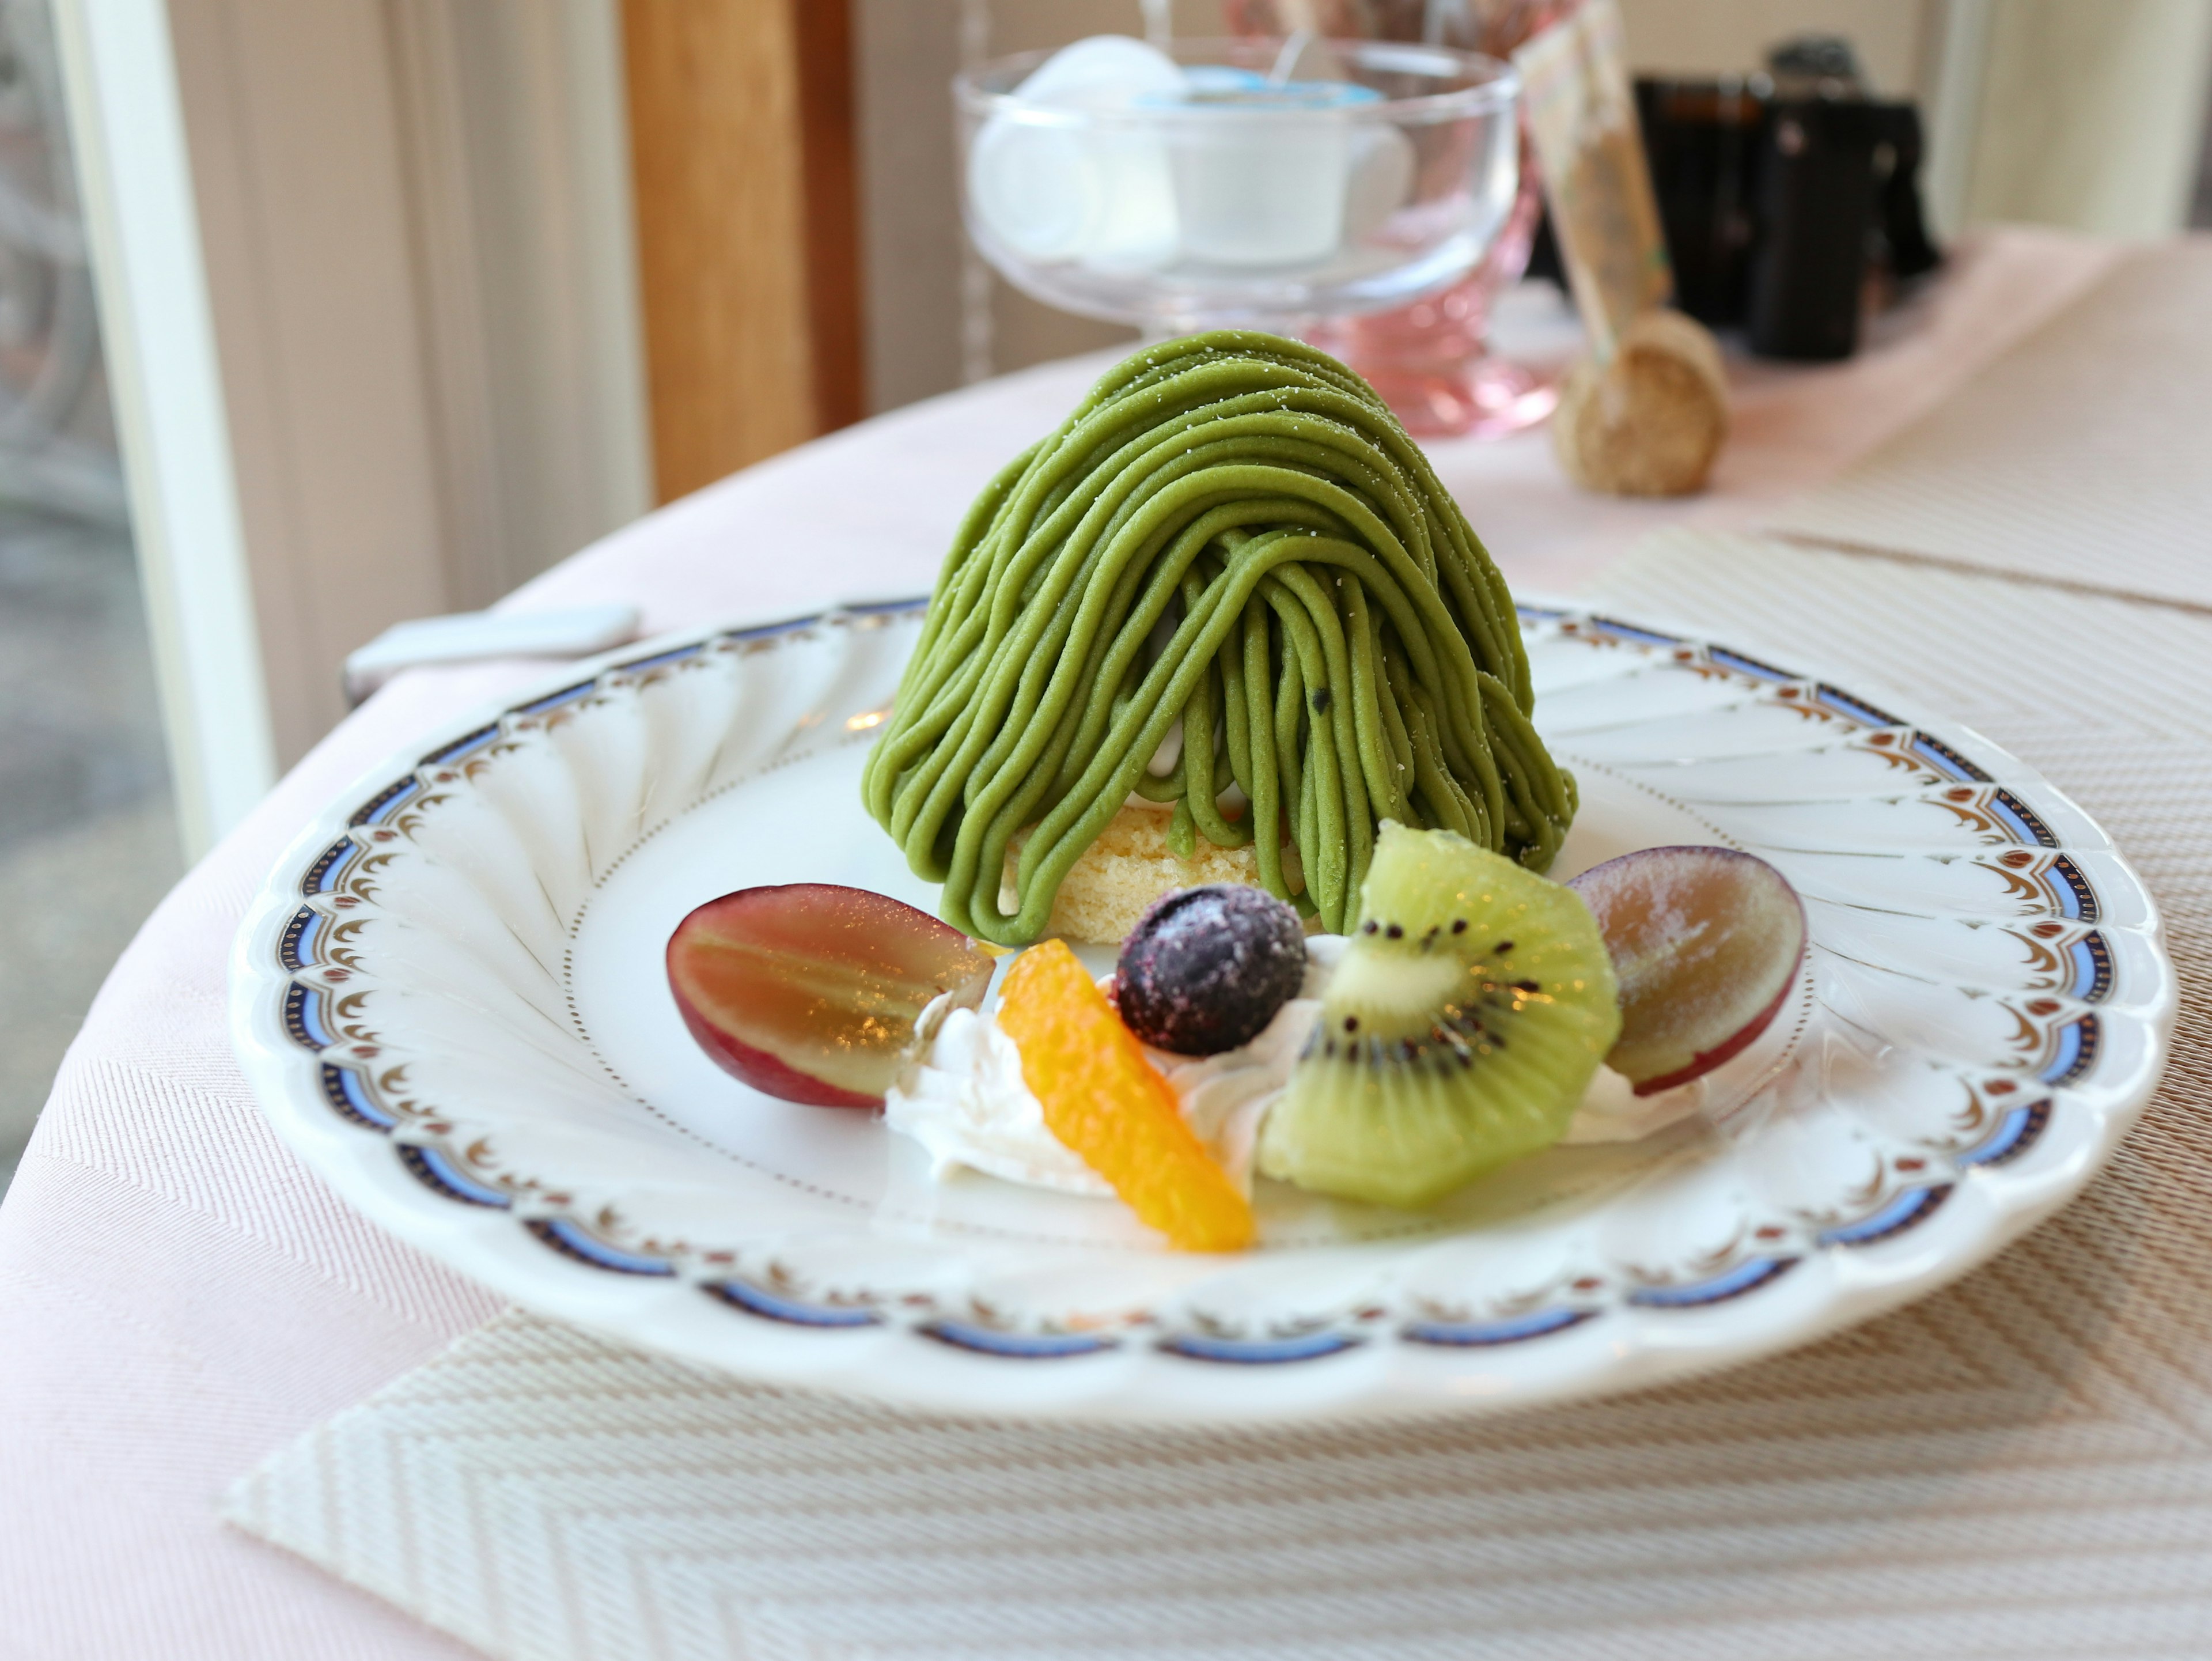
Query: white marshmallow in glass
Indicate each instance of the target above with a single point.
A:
(1254, 189)
(1265, 175)
(1104, 72)
(1100, 193)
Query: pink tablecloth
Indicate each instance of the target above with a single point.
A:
(179, 1297)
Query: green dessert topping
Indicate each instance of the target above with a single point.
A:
(1232, 532)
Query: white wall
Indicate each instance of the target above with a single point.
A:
(294, 133)
(905, 53)
(516, 159)
(1897, 39)
(2091, 116)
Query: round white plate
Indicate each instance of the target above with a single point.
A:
(450, 998)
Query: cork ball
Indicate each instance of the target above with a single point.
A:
(1649, 422)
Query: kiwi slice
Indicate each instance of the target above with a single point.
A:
(1459, 1031)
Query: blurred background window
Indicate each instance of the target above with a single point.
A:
(87, 835)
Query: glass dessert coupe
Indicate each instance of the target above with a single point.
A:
(1276, 184)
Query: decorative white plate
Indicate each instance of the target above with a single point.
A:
(450, 998)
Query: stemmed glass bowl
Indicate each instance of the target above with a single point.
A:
(1226, 190)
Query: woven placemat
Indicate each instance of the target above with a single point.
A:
(2083, 456)
(2017, 1467)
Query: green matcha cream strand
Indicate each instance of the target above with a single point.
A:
(1231, 532)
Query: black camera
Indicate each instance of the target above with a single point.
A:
(1783, 194)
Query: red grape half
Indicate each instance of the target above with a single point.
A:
(809, 991)
(1706, 943)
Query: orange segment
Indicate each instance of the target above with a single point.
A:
(1107, 1102)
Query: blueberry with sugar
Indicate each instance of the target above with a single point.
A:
(1206, 970)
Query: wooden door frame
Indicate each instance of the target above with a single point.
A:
(741, 136)
(828, 157)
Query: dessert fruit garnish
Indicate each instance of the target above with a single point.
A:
(1706, 943)
(1231, 564)
(1206, 970)
(1104, 1100)
(1472, 1007)
(809, 991)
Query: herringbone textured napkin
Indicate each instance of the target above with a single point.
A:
(2019, 1467)
(2083, 456)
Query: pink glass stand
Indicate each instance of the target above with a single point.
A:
(1431, 361)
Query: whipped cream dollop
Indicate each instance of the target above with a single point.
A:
(963, 1097)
